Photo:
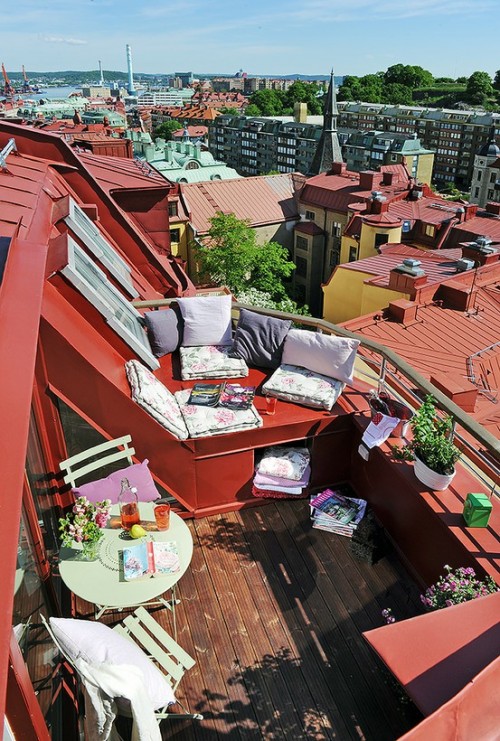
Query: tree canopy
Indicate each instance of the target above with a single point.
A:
(281, 102)
(479, 88)
(166, 129)
(231, 257)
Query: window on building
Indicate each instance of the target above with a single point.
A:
(493, 177)
(86, 230)
(301, 243)
(430, 230)
(300, 293)
(334, 258)
(173, 208)
(479, 174)
(119, 313)
(175, 235)
(310, 215)
(193, 165)
(353, 253)
(301, 267)
(381, 239)
(336, 229)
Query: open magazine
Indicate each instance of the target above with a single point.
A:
(206, 394)
(150, 558)
(229, 395)
(235, 396)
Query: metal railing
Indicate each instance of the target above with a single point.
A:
(405, 372)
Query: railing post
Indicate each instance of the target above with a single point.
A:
(381, 377)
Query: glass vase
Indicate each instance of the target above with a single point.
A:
(90, 550)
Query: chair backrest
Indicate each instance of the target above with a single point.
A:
(90, 460)
(142, 629)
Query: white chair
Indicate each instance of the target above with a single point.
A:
(159, 647)
(90, 460)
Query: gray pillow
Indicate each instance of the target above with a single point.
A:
(259, 339)
(164, 330)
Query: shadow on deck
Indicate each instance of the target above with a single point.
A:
(273, 612)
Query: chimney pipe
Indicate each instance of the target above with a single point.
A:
(131, 90)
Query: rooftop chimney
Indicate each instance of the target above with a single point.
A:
(367, 179)
(338, 168)
(461, 391)
(403, 311)
(407, 277)
(493, 208)
(480, 251)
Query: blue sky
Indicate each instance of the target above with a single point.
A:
(448, 37)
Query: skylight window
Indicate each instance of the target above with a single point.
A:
(95, 286)
(86, 230)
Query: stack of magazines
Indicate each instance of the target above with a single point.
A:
(333, 511)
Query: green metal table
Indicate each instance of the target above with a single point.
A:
(101, 582)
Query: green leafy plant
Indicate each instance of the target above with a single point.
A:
(85, 522)
(431, 441)
(456, 586)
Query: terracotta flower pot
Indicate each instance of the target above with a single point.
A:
(431, 479)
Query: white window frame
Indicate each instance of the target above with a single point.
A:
(86, 230)
(108, 301)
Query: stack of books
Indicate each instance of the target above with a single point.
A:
(337, 513)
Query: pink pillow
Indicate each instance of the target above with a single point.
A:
(138, 475)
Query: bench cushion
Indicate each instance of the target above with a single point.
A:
(207, 320)
(210, 361)
(204, 421)
(302, 386)
(331, 356)
(259, 339)
(155, 398)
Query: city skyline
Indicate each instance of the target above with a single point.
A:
(261, 38)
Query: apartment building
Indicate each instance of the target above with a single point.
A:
(486, 176)
(454, 135)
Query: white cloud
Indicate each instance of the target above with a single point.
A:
(63, 40)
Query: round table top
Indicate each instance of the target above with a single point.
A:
(102, 583)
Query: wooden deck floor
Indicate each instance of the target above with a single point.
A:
(273, 612)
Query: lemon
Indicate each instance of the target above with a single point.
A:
(136, 531)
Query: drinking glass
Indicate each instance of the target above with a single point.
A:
(162, 516)
(270, 404)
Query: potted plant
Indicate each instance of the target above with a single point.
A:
(84, 524)
(432, 447)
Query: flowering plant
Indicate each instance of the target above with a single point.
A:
(459, 585)
(85, 521)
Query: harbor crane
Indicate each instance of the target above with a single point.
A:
(8, 90)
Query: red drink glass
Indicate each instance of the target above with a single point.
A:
(270, 404)
(130, 515)
(162, 516)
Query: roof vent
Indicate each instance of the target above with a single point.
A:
(376, 195)
(484, 243)
(464, 264)
(410, 266)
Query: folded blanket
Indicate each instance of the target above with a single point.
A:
(267, 481)
(285, 489)
(287, 463)
(266, 494)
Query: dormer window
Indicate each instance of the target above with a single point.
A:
(98, 245)
(94, 285)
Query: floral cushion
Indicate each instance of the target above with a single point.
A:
(203, 421)
(302, 386)
(210, 361)
(155, 398)
(287, 463)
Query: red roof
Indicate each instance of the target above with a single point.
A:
(480, 225)
(337, 192)
(118, 172)
(263, 199)
(447, 341)
(308, 227)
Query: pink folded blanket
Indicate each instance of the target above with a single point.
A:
(267, 479)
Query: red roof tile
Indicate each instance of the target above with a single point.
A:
(118, 172)
(264, 199)
(308, 227)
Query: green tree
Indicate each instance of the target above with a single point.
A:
(397, 94)
(268, 102)
(166, 129)
(304, 92)
(410, 75)
(496, 81)
(252, 110)
(350, 88)
(232, 257)
(479, 88)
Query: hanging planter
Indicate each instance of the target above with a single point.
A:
(431, 479)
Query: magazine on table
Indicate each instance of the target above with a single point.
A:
(235, 396)
(149, 558)
(206, 394)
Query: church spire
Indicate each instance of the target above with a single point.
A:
(328, 149)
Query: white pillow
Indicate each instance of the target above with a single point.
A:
(207, 320)
(96, 643)
(331, 356)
